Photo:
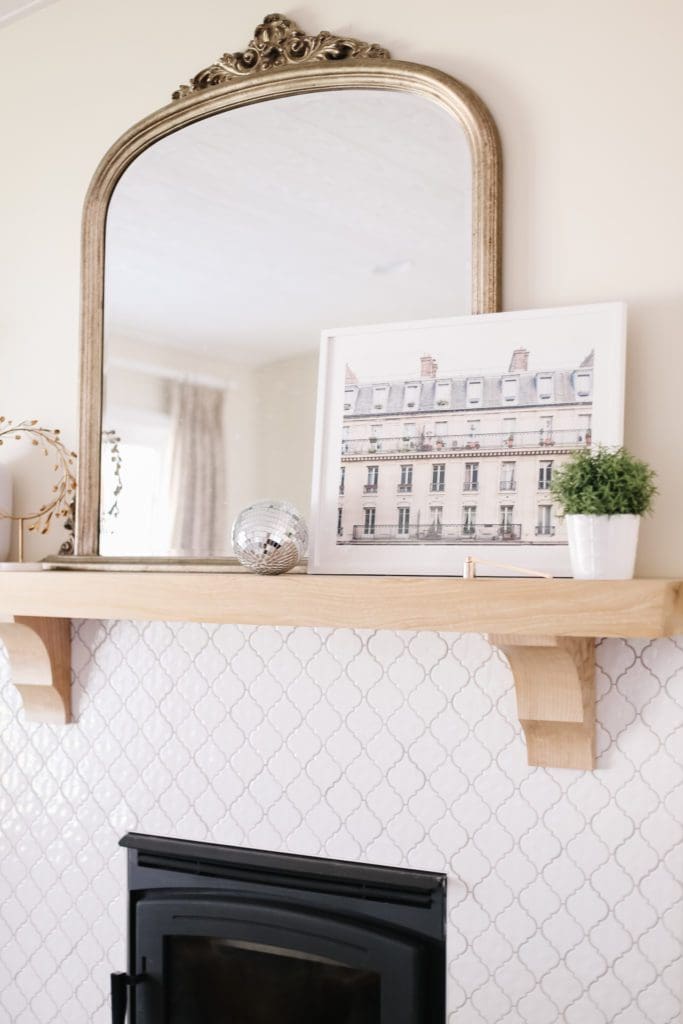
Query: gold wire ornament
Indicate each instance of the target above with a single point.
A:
(50, 443)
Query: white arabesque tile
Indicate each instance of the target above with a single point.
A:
(564, 887)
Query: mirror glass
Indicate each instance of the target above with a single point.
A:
(230, 245)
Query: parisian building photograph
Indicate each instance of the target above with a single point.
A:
(433, 459)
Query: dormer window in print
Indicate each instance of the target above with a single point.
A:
(350, 399)
(583, 383)
(510, 390)
(545, 387)
(411, 397)
(380, 395)
(475, 390)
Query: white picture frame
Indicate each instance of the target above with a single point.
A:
(513, 390)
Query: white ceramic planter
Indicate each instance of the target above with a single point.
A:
(6, 506)
(603, 547)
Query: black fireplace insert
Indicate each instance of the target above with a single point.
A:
(224, 935)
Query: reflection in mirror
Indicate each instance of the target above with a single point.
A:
(230, 245)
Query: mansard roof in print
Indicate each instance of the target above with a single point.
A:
(442, 394)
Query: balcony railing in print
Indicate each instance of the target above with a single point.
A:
(467, 442)
(438, 533)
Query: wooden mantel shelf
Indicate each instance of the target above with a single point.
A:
(626, 608)
(546, 628)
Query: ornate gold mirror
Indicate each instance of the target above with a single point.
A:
(308, 183)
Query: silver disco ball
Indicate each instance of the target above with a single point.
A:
(269, 537)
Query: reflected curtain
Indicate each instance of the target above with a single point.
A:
(197, 470)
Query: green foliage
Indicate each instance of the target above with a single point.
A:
(601, 482)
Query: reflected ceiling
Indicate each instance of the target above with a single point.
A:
(11, 9)
(260, 226)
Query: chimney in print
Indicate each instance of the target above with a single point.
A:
(519, 361)
(428, 366)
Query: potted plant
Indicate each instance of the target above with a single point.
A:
(603, 493)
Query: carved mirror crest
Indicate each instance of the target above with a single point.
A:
(306, 183)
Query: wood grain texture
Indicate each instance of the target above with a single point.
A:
(529, 607)
(546, 628)
(555, 686)
(39, 653)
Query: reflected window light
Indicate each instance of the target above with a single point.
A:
(141, 524)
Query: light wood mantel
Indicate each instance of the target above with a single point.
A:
(546, 628)
(525, 607)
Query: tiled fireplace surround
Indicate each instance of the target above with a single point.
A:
(398, 748)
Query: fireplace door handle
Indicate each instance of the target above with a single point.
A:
(120, 983)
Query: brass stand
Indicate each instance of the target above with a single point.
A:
(20, 546)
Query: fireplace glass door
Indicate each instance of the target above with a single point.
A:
(211, 981)
(224, 961)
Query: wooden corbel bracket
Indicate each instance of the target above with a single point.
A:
(39, 653)
(555, 685)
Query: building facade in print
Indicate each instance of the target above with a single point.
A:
(460, 459)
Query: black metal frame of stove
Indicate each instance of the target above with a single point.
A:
(390, 920)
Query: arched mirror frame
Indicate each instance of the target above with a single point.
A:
(280, 61)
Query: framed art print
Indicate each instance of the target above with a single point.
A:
(438, 439)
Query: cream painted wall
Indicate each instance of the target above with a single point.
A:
(286, 426)
(587, 98)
